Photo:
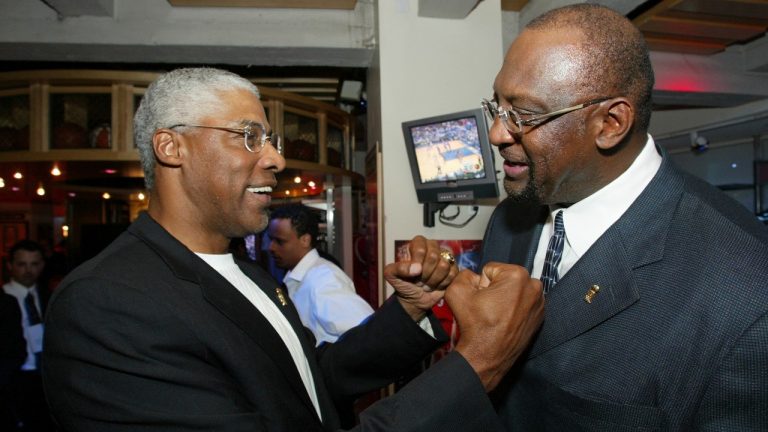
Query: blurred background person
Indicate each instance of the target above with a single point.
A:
(323, 294)
(13, 351)
(27, 401)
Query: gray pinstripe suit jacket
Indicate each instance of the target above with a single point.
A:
(675, 339)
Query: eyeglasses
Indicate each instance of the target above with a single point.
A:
(512, 120)
(254, 136)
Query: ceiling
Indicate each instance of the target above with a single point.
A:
(683, 26)
(698, 27)
(703, 27)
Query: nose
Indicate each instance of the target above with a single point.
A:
(498, 134)
(271, 160)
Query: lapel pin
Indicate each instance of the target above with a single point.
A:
(591, 293)
(281, 296)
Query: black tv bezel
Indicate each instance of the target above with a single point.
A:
(454, 190)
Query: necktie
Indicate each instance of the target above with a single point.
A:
(33, 316)
(549, 276)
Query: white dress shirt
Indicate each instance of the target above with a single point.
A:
(325, 297)
(32, 334)
(226, 266)
(587, 220)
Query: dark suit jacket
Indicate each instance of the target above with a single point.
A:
(676, 338)
(13, 348)
(147, 337)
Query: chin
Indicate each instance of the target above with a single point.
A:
(524, 194)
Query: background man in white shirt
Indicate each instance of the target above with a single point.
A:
(26, 263)
(323, 294)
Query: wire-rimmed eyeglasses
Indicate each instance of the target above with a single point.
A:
(513, 121)
(254, 136)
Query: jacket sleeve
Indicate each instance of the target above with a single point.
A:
(116, 360)
(13, 348)
(448, 396)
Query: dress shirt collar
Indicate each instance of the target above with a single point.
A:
(18, 290)
(587, 220)
(307, 262)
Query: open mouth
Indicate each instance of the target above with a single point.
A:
(260, 189)
(514, 169)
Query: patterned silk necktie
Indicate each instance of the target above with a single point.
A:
(33, 316)
(549, 275)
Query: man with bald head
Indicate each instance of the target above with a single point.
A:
(655, 282)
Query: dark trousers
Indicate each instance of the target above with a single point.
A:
(27, 404)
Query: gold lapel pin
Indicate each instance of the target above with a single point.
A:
(281, 296)
(591, 293)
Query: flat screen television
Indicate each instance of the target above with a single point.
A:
(451, 157)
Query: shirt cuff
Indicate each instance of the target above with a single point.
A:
(426, 325)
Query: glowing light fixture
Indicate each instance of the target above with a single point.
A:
(65, 231)
(297, 179)
(55, 171)
(2, 183)
(311, 184)
(141, 196)
(106, 195)
(17, 175)
(40, 190)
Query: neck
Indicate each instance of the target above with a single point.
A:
(184, 228)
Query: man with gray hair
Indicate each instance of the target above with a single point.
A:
(165, 331)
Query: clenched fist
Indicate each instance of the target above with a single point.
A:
(498, 312)
(420, 279)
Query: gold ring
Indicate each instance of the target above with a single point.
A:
(448, 256)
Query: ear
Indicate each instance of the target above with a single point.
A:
(306, 241)
(166, 145)
(615, 122)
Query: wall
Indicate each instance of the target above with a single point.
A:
(429, 66)
(738, 136)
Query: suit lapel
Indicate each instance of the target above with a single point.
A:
(637, 239)
(513, 233)
(280, 298)
(228, 300)
(567, 314)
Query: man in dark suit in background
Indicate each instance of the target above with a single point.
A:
(13, 351)
(165, 331)
(26, 261)
(657, 283)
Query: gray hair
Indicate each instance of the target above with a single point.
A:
(181, 96)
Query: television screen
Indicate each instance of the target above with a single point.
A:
(448, 150)
(451, 157)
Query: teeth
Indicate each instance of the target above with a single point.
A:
(262, 189)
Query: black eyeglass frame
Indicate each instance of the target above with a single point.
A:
(512, 120)
(247, 132)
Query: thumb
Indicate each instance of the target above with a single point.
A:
(461, 289)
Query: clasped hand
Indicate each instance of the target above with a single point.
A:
(421, 277)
